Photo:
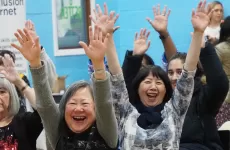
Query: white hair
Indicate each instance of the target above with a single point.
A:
(14, 104)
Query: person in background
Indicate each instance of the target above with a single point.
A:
(212, 32)
(223, 52)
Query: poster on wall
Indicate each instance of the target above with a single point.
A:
(13, 17)
(70, 26)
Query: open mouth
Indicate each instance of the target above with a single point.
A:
(79, 119)
(152, 96)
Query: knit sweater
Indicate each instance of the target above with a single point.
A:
(167, 134)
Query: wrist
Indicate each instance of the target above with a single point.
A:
(20, 83)
(35, 64)
(98, 65)
(164, 33)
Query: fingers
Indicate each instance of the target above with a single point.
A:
(147, 35)
(90, 34)
(136, 36)
(28, 36)
(7, 61)
(141, 33)
(16, 47)
(96, 33)
(158, 10)
(99, 10)
(193, 13)
(203, 6)
(37, 43)
(149, 43)
(164, 11)
(100, 37)
(154, 11)
(92, 19)
(210, 13)
(84, 46)
(111, 15)
(105, 9)
(23, 36)
(168, 13)
(149, 20)
(95, 13)
(144, 32)
(115, 18)
(199, 6)
(19, 38)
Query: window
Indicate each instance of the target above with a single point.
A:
(70, 25)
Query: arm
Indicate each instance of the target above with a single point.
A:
(105, 115)
(184, 89)
(131, 66)
(46, 107)
(45, 103)
(50, 68)
(160, 24)
(217, 81)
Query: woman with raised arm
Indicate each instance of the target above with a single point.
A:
(152, 89)
(85, 118)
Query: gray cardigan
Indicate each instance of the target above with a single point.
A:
(49, 112)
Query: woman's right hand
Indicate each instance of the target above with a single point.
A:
(29, 48)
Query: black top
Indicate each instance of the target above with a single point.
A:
(88, 140)
(22, 132)
(200, 126)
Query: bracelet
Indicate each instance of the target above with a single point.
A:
(24, 87)
(99, 71)
(162, 37)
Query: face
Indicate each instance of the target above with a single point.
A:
(151, 91)
(174, 71)
(80, 111)
(4, 100)
(217, 14)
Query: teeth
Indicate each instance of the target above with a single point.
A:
(79, 118)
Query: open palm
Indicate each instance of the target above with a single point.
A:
(201, 17)
(9, 69)
(104, 20)
(97, 48)
(160, 23)
(200, 21)
(140, 43)
(29, 48)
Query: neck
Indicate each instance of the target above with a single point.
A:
(5, 120)
(214, 24)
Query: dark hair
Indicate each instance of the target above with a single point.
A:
(12, 55)
(155, 71)
(71, 90)
(182, 57)
(148, 59)
(225, 30)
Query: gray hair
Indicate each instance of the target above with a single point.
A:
(71, 90)
(14, 103)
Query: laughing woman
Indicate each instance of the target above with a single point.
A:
(85, 119)
(152, 86)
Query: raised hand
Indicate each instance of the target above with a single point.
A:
(140, 43)
(201, 17)
(9, 70)
(105, 20)
(29, 48)
(160, 21)
(97, 48)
